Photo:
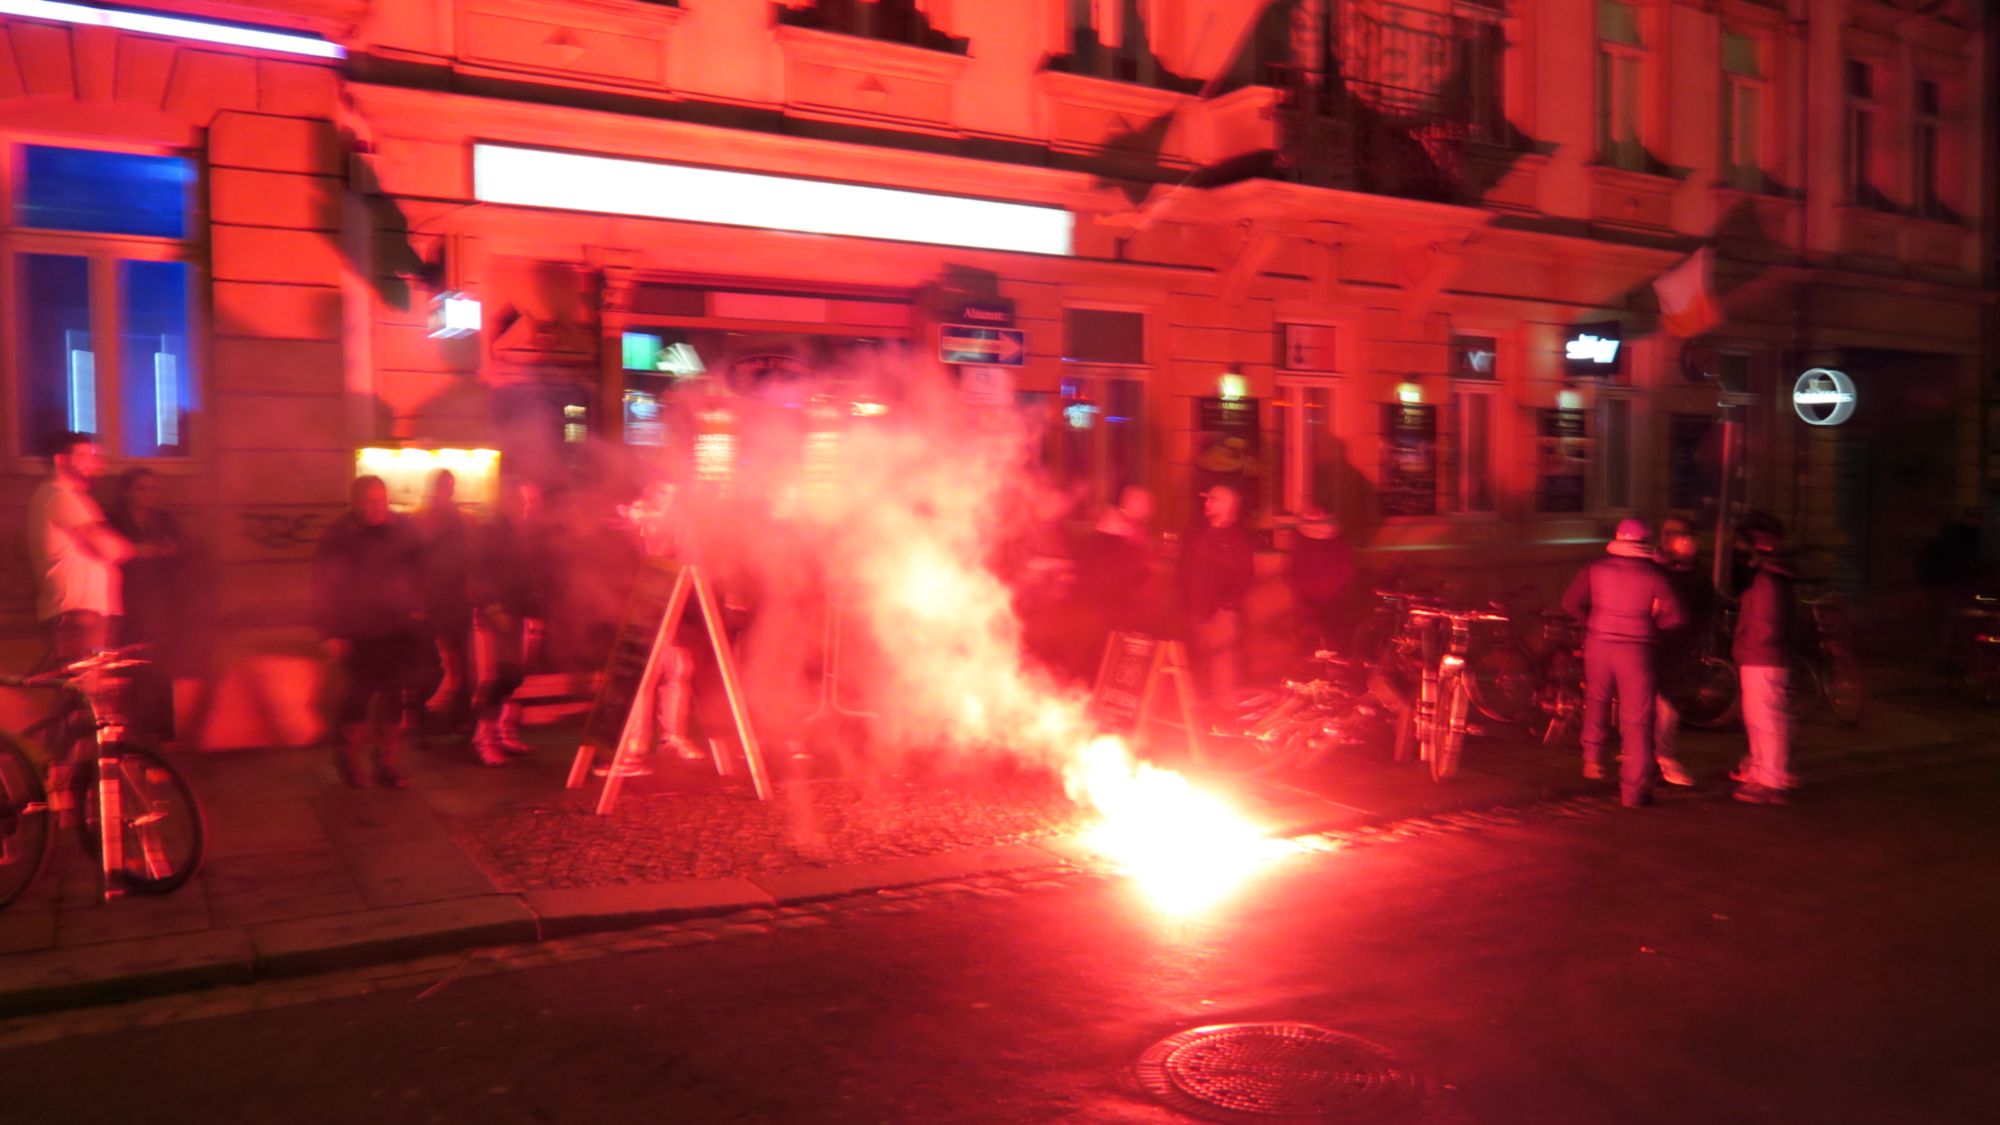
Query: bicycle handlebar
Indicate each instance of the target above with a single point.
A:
(104, 660)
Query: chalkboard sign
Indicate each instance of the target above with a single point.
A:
(1409, 459)
(645, 608)
(1121, 679)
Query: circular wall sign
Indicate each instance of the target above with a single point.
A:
(1824, 397)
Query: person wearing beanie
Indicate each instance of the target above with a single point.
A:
(1625, 602)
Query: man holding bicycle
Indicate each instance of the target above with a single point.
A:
(1625, 601)
(74, 551)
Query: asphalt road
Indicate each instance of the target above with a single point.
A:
(1700, 961)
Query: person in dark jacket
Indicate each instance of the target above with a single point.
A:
(368, 603)
(1763, 656)
(447, 607)
(1320, 574)
(1624, 601)
(1217, 565)
(1114, 578)
(509, 589)
(154, 596)
(1679, 648)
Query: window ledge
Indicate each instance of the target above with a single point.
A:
(848, 77)
(1104, 116)
(1623, 198)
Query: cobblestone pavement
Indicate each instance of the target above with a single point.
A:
(659, 837)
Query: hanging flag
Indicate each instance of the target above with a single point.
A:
(1688, 305)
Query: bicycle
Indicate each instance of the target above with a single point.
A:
(138, 818)
(1445, 695)
(1824, 668)
(1296, 723)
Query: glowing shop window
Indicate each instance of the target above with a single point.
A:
(55, 347)
(156, 388)
(83, 189)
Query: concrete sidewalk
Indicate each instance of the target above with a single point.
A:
(305, 875)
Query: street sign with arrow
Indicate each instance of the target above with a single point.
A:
(965, 343)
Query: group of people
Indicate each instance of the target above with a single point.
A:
(109, 572)
(431, 619)
(1643, 606)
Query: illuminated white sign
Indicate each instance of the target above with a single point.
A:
(616, 186)
(1589, 348)
(454, 315)
(175, 27)
(1824, 397)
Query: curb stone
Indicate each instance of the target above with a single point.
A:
(130, 969)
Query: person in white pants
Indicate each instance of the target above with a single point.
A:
(1762, 649)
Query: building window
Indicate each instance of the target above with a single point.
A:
(1742, 112)
(1862, 131)
(1468, 479)
(1481, 66)
(1614, 447)
(1621, 67)
(891, 21)
(1308, 452)
(1108, 39)
(1926, 151)
(102, 298)
(1101, 423)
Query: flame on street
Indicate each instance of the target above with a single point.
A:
(1186, 849)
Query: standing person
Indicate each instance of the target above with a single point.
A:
(153, 592)
(1114, 573)
(368, 601)
(1679, 648)
(509, 577)
(1322, 569)
(1217, 566)
(1624, 601)
(74, 551)
(1762, 651)
(447, 604)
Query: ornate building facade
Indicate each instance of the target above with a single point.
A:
(1477, 275)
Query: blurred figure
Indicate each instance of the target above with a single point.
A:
(1624, 601)
(368, 601)
(510, 567)
(74, 551)
(1679, 647)
(1763, 650)
(1741, 552)
(1217, 567)
(1320, 574)
(1114, 575)
(447, 602)
(153, 594)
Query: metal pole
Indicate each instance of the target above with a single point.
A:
(1723, 492)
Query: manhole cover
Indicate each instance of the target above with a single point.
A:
(1273, 1072)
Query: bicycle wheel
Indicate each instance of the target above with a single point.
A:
(165, 836)
(1845, 695)
(24, 820)
(1503, 685)
(1711, 694)
(1448, 735)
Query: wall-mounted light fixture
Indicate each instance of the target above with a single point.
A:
(1409, 393)
(1232, 386)
(454, 314)
(175, 27)
(567, 181)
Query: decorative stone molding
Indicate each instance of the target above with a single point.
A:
(1100, 116)
(614, 42)
(1631, 200)
(847, 77)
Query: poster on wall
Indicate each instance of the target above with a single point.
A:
(1562, 449)
(1228, 443)
(1409, 459)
